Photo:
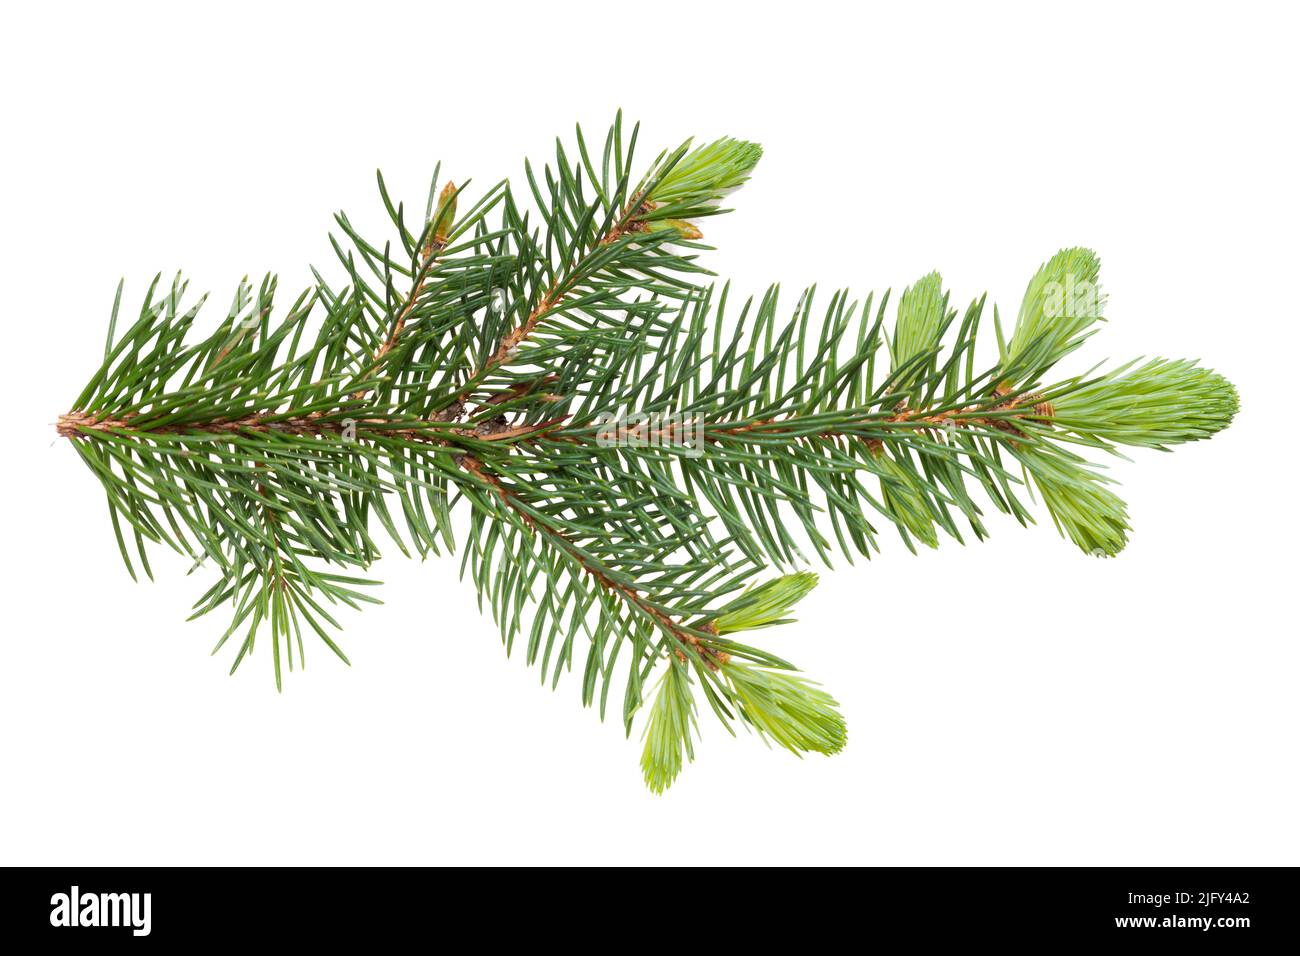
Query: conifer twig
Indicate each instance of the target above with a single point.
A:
(635, 471)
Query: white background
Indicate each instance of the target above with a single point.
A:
(1073, 710)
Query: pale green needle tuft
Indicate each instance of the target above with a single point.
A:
(1084, 509)
(922, 311)
(787, 708)
(668, 730)
(1061, 304)
(707, 172)
(1164, 402)
(766, 604)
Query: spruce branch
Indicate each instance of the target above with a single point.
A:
(635, 469)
